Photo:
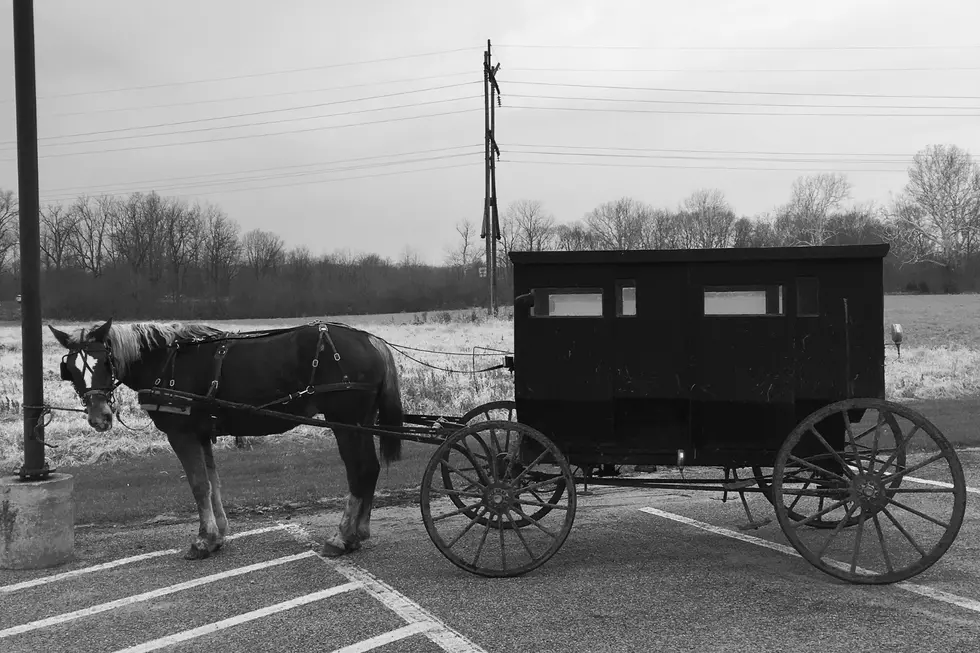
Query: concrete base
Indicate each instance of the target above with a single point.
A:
(37, 522)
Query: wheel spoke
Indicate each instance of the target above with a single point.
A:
(904, 532)
(817, 515)
(881, 538)
(457, 493)
(857, 542)
(821, 470)
(528, 468)
(837, 530)
(534, 521)
(850, 435)
(520, 535)
(464, 476)
(479, 549)
(543, 504)
(458, 512)
(918, 513)
(832, 451)
(473, 522)
(913, 468)
(901, 443)
(503, 545)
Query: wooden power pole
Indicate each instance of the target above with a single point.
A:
(491, 218)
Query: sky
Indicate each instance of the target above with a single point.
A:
(359, 126)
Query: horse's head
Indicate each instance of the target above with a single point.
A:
(90, 367)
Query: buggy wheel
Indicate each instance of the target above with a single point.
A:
(504, 527)
(812, 478)
(905, 514)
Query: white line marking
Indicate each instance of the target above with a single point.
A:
(118, 563)
(207, 629)
(926, 481)
(146, 596)
(939, 595)
(442, 635)
(386, 638)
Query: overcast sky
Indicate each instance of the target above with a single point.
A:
(263, 91)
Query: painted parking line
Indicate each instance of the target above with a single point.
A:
(439, 633)
(386, 638)
(926, 481)
(230, 622)
(119, 563)
(153, 594)
(923, 590)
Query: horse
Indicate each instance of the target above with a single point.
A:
(283, 370)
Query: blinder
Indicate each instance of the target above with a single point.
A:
(65, 372)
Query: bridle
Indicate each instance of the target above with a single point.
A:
(106, 392)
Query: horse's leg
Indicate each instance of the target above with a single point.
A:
(217, 507)
(190, 452)
(363, 469)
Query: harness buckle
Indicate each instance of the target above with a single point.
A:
(336, 357)
(316, 362)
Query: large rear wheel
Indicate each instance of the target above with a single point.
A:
(891, 485)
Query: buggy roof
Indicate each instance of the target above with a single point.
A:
(734, 254)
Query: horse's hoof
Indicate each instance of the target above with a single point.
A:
(196, 553)
(332, 551)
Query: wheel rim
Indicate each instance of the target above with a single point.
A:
(517, 509)
(890, 484)
(494, 410)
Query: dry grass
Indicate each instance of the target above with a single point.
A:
(940, 360)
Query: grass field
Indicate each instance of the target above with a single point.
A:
(132, 474)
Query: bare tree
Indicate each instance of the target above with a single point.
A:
(938, 214)
(533, 226)
(136, 237)
(618, 224)
(58, 226)
(220, 249)
(9, 227)
(813, 199)
(663, 230)
(466, 251)
(743, 233)
(706, 219)
(182, 229)
(90, 240)
(262, 251)
(575, 236)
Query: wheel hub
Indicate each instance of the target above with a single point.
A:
(499, 498)
(869, 492)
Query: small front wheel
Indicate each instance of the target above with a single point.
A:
(518, 500)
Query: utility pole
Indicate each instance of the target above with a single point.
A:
(491, 218)
(30, 251)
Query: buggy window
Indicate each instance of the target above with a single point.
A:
(743, 300)
(625, 298)
(567, 302)
(807, 297)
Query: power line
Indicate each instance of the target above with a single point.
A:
(747, 70)
(676, 167)
(742, 48)
(151, 182)
(256, 96)
(454, 166)
(754, 113)
(254, 113)
(697, 157)
(243, 136)
(215, 184)
(688, 151)
(252, 124)
(736, 104)
(252, 75)
(731, 92)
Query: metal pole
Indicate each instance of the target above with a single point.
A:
(487, 225)
(30, 240)
(493, 230)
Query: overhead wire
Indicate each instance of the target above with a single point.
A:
(747, 70)
(750, 48)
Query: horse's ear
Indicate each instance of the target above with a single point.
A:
(101, 332)
(61, 337)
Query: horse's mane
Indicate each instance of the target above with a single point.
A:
(129, 342)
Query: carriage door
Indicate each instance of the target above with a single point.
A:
(562, 375)
(743, 386)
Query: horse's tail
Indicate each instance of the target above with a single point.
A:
(390, 411)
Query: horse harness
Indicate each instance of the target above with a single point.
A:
(163, 403)
(107, 393)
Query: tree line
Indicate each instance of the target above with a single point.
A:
(148, 256)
